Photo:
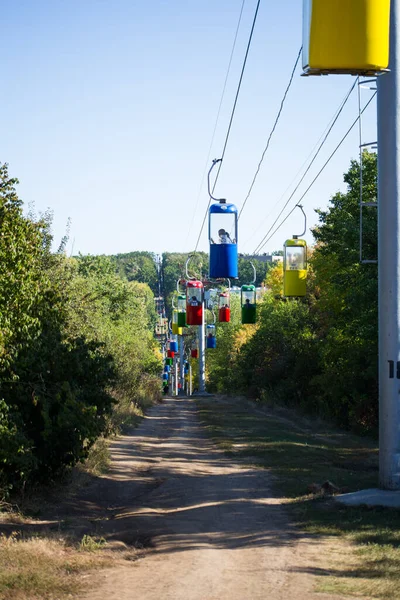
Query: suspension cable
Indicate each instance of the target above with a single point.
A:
(217, 119)
(260, 247)
(322, 136)
(315, 155)
(231, 118)
(272, 131)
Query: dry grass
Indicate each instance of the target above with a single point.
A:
(43, 568)
(99, 458)
(300, 455)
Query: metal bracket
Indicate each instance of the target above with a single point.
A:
(373, 146)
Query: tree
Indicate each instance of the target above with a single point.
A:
(347, 306)
(138, 266)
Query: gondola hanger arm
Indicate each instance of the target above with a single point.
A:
(214, 162)
(186, 268)
(295, 237)
(254, 273)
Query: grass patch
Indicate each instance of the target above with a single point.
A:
(42, 568)
(299, 455)
(91, 544)
(98, 460)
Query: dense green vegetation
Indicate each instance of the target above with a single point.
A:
(318, 353)
(76, 334)
(138, 266)
(75, 341)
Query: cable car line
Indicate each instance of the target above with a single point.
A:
(328, 127)
(231, 118)
(344, 102)
(217, 118)
(272, 130)
(315, 178)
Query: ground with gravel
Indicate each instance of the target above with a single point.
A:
(193, 524)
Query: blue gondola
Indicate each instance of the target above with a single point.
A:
(222, 235)
(211, 339)
(165, 376)
(173, 346)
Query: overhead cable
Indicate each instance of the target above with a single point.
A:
(217, 117)
(272, 131)
(259, 248)
(322, 136)
(232, 115)
(344, 102)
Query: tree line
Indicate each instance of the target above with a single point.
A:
(76, 347)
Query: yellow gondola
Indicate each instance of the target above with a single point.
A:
(295, 264)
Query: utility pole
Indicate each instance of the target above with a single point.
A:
(181, 364)
(176, 380)
(202, 353)
(389, 261)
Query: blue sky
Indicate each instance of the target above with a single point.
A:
(109, 108)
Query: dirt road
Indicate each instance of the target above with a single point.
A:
(212, 529)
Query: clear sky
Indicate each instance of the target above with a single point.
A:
(109, 108)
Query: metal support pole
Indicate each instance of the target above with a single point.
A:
(176, 381)
(181, 364)
(389, 261)
(202, 354)
(190, 381)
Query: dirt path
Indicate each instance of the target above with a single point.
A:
(212, 529)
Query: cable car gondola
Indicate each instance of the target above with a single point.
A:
(295, 265)
(248, 303)
(173, 345)
(211, 340)
(176, 330)
(346, 37)
(224, 309)
(222, 234)
(194, 302)
(181, 310)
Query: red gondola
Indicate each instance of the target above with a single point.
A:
(194, 302)
(224, 310)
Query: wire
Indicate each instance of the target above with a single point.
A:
(272, 130)
(301, 168)
(318, 174)
(232, 115)
(217, 119)
(344, 102)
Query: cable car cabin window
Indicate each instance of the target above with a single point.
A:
(224, 300)
(181, 311)
(224, 311)
(295, 258)
(223, 228)
(181, 303)
(248, 298)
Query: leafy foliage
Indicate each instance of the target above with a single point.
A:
(319, 353)
(74, 339)
(138, 266)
